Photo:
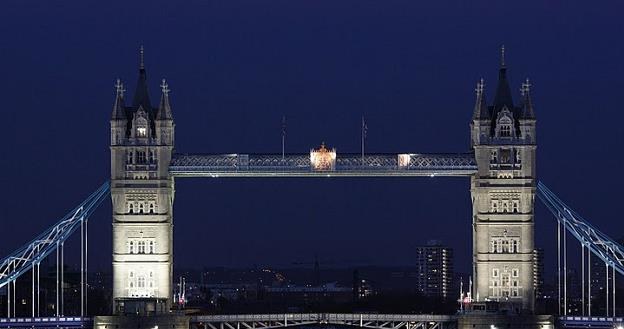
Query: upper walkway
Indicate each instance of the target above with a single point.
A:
(303, 165)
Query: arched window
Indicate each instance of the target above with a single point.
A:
(151, 208)
(131, 250)
(151, 250)
(504, 123)
(140, 208)
(505, 131)
(141, 126)
(131, 208)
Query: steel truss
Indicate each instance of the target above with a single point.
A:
(31, 254)
(600, 244)
(374, 321)
(299, 165)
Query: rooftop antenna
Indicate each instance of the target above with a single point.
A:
(503, 56)
(141, 59)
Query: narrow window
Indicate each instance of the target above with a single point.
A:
(141, 159)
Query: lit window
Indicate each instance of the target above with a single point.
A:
(141, 131)
(494, 156)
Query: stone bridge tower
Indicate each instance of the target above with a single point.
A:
(142, 191)
(503, 195)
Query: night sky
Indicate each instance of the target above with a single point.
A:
(235, 67)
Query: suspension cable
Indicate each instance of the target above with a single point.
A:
(606, 289)
(589, 296)
(559, 266)
(582, 278)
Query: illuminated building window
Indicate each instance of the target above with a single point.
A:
(141, 125)
(494, 156)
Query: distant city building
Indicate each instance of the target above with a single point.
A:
(538, 272)
(435, 269)
(598, 278)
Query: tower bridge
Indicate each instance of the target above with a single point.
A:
(501, 166)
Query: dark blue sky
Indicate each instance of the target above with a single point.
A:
(235, 67)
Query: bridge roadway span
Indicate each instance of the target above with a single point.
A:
(273, 321)
(376, 321)
(299, 165)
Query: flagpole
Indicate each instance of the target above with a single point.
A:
(362, 133)
(283, 136)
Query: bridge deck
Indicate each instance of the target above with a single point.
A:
(300, 165)
(373, 321)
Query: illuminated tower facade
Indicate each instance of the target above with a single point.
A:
(503, 195)
(142, 139)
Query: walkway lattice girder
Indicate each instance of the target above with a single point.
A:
(299, 165)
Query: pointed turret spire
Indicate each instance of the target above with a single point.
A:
(503, 92)
(527, 103)
(164, 109)
(119, 108)
(141, 58)
(480, 110)
(141, 94)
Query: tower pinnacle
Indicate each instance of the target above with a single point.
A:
(119, 111)
(141, 59)
(502, 58)
(165, 87)
(119, 88)
(164, 109)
